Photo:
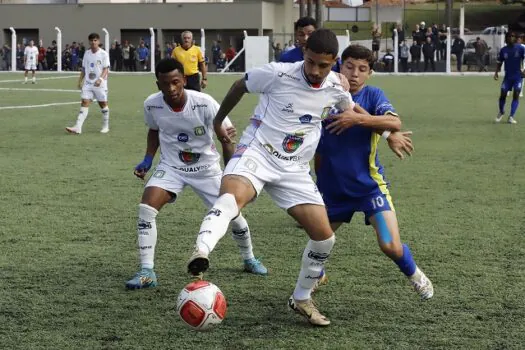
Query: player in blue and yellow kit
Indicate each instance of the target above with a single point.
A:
(349, 175)
(512, 55)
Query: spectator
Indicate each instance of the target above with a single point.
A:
(458, 45)
(74, 56)
(215, 52)
(143, 55)
(20, 57)
(42, 64)
(388, 61)
(169, 49)
(443, 42)
(7, 56)
(113, 57)
(230, 54)
(289, 46)
(51, 56)
(400, 35)
(376, 41)
(403, 56)
(277, 51)
(128, 56)
(428, 53)
(221, 61)
(481, 50)
(415, 54)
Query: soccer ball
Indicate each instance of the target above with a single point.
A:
(201, 305)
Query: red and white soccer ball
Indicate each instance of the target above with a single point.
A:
(201, 305)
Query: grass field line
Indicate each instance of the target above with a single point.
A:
(38, 106)
(39, 90)
(48, 78)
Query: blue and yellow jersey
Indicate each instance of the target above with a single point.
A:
(350, 166)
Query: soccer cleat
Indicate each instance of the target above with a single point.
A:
(74, 130)
(498, 118)
(422, 285)
(512, 120)
(145, 278)
(255, 266)
(308, 310)
(198, 263)
(321, 281)
(33, 82)
(104, 130)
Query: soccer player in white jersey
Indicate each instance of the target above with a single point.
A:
(181, 122)
(93, 82)
(30, 61)
(274, 153)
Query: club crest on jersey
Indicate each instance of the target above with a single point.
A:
(99, 63)
(291, 143)
(187, 157)
(305, 119)
(199, 131)
(92, 76)
(182, 137)
(326, 112)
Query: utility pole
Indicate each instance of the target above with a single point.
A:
(448, 12)
(301, 8)
(319, 13)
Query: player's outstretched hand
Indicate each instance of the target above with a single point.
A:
(222, 134)
(232, 132)
(143, 167)
(345, 120)
(400, 142)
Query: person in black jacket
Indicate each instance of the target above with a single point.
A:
(415, 53)
(428, 54)
(458, 45)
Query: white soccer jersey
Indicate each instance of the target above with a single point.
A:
(93, 65)
(31, 54)
(186, 137)
(287, 120)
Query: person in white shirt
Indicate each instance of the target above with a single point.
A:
(180, 122)
(274, 153)
(93, 84)
(30, 61)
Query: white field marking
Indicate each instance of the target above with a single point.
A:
(39, 106)
(38, 90)
(48, 78)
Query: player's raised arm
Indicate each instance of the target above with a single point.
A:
(232, 98)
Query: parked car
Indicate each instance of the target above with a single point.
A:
(495, 30)
(469, 55)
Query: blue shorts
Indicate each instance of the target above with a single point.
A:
(343, 211)
(511, 84)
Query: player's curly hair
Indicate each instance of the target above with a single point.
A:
(305, 22)
(323, 41)
(359, 52)
(167, 65)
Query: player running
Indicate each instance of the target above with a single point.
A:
(180, 122)
(512, 55)
(349, 174)
(274, 154)
(93, 82)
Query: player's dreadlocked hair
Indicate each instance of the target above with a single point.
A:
(323, 41)
(359, 52)
(167, 65)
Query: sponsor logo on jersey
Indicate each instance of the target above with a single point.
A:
(99, 63)
(292, 142)
(154, 107)
(278, 155)
(288, 108)
(199, 130)
(182, 137)
(193, 169)
(187, 157)
(199, 106)
(305, 119)
(286, 75)
(326, 112)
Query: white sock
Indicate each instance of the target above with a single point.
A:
(241, 235)
(216, 222)
(34, 78)
(82, 115)
(147, 232)
(105, 117)
(25, 79)
(314, 257)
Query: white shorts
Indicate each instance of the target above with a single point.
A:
(288, 187)
(30, 66)
(205, 185)
(90, 92)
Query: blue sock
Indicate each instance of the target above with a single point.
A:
(406, 263)
(513, 107)
(502, 105)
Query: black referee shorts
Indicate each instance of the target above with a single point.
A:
(193, 82)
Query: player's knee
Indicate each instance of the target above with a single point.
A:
(226, 204)
(394, 250)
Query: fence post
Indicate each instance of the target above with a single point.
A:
(106, 40)
(448, 50)
(13, 49)
(59, 49)
(152, 45)
(396, 51)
